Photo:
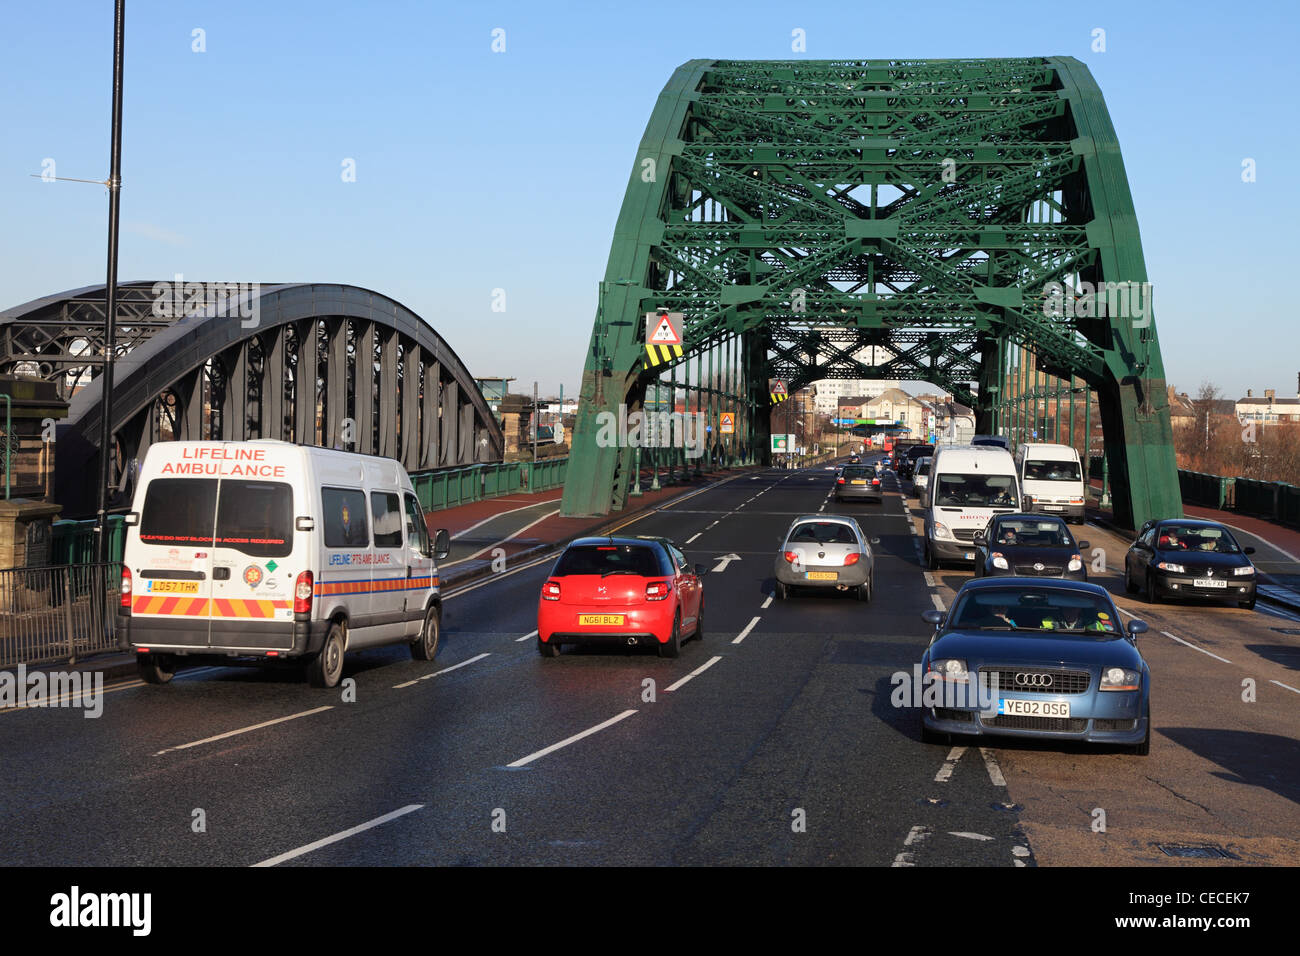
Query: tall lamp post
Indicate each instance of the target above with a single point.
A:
(110, 292)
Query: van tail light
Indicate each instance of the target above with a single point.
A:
(303, 589)
(551, 591)
(853, 558)
(126, 588)
(656, 590)
(791, 556)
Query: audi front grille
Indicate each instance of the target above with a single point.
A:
(1040, 681)
(1069, 725)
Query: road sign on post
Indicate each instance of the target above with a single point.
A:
(778, 390)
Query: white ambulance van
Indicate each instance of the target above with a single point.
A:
(269, 551)
(968, 485)
(1051, 478)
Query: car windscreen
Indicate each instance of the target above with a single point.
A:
(1034, 610)
(1029, 532)
(1185, 538)
(255, 517)
(604, 559)
(920, 451)
(975, 490)
(1052, 471)
(822, 532)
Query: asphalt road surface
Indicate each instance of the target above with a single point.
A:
(772, 740)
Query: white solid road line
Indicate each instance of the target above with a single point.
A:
(569, 740)
(967, 835)
(378, 821)
(695, 673)
(1287, 686)
(694, 536)
(465, 531)
(949, 765)
(1173, 637)
(243, 730)
(991, 764)
(520, 640)
(453, 667)
(497, 544)
(938, 603)
(745, 633)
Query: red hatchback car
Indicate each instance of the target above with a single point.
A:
(625, 590)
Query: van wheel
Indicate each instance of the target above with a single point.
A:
(327, 667)
(156, 668)
(426, 645)
(930, 563)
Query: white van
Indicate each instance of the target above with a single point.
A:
(1051, 480)
(271, 551)
(968, 485)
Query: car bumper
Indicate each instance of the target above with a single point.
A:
(1117, 721)
(1184, 586)
(241, 638)
(851, 576)
(1055, 510)
(948, 550)
(640, 625)
(1067, 575)
(871, 492)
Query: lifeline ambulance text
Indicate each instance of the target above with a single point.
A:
(247, 463)
(1160, 899)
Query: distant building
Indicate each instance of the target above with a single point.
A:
(1269, 410)
(828, 392)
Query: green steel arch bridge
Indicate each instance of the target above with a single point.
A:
(971, 219)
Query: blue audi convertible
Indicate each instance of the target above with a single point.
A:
(1027, 657)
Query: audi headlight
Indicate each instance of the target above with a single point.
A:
(1076, 562)
(1170, 566)
(1119, 678)
(950, 669)
(999, 561)
(941, 530)
(1248, 569)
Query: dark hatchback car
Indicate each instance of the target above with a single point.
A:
(1034, 658)
(858, 482)
(1027, 545)
(1188, 558)
(907, 461)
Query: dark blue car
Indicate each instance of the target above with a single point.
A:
(1028, 657)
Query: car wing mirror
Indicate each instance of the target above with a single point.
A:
(1247, 550)
(441, 544)
(1084, 545)
(1136, 627)
(932, 616)
(701, 570)
(980, 539)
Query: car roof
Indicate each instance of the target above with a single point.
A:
(837, 519)
(1026, 516)
(1086, 587)
(618, 539)
(1191, 523)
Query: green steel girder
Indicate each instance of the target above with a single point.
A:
(812, 209)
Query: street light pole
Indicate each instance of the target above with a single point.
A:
(110, 292)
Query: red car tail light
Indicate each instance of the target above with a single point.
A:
(303, 589)
(551, 591)
(839, 481)
(853, 558)
(126, 587)
(875, 481)
(656, 590)
(791, 556)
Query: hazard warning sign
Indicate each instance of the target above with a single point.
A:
(727, 423)
(663, 328)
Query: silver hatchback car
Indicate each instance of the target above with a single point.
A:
(825, 551)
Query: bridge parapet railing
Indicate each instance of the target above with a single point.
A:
(441, 488)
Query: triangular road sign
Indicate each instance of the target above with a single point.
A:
(662, 329)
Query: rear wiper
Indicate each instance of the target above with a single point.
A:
(605, 574)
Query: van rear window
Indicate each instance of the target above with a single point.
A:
(255, 517)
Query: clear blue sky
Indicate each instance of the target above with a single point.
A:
(478, 170)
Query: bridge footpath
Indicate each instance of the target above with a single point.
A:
(497, 535)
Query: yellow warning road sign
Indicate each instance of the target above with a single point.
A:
(727, 423)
